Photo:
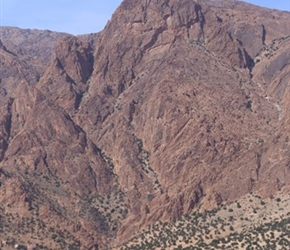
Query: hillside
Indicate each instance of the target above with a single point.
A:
(175, 106)
(250, 223)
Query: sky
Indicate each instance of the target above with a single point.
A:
(71, 16)
(76, 16)
(272, 4)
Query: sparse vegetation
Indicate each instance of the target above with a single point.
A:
(219, 229)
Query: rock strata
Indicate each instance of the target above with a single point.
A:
(174, 105)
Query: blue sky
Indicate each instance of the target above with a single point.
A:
(74, 16)
(272, 4)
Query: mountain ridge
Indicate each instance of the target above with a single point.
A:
(165, 109)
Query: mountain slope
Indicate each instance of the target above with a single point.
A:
(174, 105)
(250, 222)
(31, 45)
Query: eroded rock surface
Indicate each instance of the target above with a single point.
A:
(175, 104)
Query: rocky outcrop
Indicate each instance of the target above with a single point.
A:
(167, 86)
(174, 105)
(66, 78)
(31, 45)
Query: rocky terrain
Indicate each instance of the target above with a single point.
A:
(175, 106)
(250, 223)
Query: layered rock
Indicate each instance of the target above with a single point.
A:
(174, 105)
(166, 90)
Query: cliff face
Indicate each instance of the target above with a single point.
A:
(174, 104)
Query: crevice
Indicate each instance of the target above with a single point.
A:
(7, 127)
(250, 64)
(44, 158)
(2, 46)
(78, 100)
(106, 67)
(258, 163)
(240, 57)
(200, 19)
(132, 110)
(264, 33)
(5, 173)
(197, 195)
(230, 36)
(154, 38)
(94, 177)
(59, 64)
(143, 157)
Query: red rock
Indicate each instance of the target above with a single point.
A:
(175, 104)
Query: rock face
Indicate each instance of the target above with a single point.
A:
(175, 104)
(33, 46)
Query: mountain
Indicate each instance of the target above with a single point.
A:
(175, 105)
(250, 223)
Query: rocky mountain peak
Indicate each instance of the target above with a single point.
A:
(72, 51)
(65, 79)
(174, 105)
(214, 23)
